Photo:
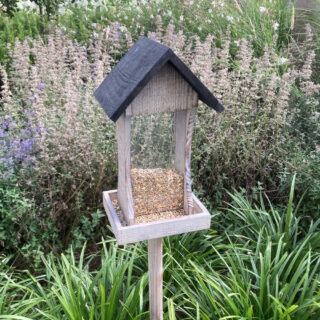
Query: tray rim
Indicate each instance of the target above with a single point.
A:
(155, 229)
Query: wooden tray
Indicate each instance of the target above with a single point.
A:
(199, 220)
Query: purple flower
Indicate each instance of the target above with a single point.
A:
(117, 35)
(41, 86)
(37, 129)
(18, 146)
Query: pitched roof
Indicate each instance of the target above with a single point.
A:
(136, 69)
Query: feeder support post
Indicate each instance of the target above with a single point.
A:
(155, 278)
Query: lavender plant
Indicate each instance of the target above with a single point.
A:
(23, 230)
(18, 145)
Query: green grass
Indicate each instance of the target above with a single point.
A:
(262, 266)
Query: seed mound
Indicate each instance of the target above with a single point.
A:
(148, 217)
(156, 191)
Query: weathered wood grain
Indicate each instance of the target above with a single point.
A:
(123, 127)
(183, 130)
(166, 91)
(199, 220)
(188, 199)
(155, 278)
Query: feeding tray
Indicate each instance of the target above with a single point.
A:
(199, 220)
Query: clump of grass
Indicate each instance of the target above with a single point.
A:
(262, 267)
(270, 269)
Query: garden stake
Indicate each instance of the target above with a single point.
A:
(153, 203)
(155, 278)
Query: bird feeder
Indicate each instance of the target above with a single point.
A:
(149, 80)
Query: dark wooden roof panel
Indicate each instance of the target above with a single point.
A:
(136, 69)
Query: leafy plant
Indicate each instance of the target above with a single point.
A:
(270, 269)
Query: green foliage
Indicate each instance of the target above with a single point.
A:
(69, 290)
(243, 19)
(269, 270)
(9, 5)
(50, 6)
(23, 232)
(259, 21)
(12, 209)
(261, 266)
(21, 25)
(304, 147)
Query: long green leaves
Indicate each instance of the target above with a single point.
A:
(263, 266)
(269, 271)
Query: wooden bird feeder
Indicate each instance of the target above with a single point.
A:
(151, 79)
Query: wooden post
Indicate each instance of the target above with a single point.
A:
(155, 278)
(123, 130)
(183, 129)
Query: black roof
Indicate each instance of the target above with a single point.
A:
(135, 70)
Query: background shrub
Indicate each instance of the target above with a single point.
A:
(75, 156)
(257, 21)
(53, 83)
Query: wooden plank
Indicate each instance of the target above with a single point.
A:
(183, 122)
(200, 220)
(111, 212)
(123, 128)
(155, 278)
(136, 69)
(129, 111)
(166, 91)
(188, 199)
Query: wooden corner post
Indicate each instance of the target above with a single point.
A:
(123, 132)
(155, 278)
(184, 122)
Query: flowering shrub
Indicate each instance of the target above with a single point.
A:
(70, 142)
(74, 155)
(258, 21)
(304, 119)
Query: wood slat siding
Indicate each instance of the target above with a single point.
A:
(166, 91)
(123, 127)
(199, 220)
